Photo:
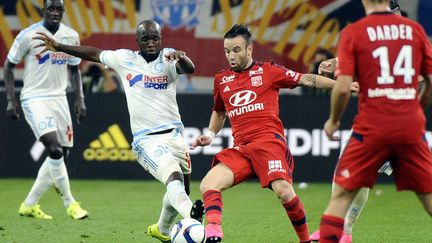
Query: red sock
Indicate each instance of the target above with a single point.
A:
(331, 229)
(213, 206)
(297, 215)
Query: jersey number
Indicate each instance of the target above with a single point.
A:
(402, 66)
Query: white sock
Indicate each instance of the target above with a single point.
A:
(167, 216)
(355, 209)
(61, 179)
(41, 185)
(178, 198)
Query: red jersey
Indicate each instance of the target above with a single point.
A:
(251, 99)
(386, 53)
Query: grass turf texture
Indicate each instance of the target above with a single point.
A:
(120, 211)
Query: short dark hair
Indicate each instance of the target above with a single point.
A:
(239, 30)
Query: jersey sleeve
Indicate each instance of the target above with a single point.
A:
(345, 53)
(170, 64)
(217, 98)
(72, 60)
(19, 48)
(111, 58)
(426, 65)
(283, 77)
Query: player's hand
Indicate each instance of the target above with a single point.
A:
(330, 128)
(327, 68)
(80, 110)
(175, 55)
(12, 110)
(47, 42)
(355, 87)
(201, 140)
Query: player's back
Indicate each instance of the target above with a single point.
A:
(387, 50)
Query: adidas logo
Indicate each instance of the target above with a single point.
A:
(227, 88)
(111, 145)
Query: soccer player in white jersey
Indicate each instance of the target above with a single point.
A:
(149, 77)
(45, 107)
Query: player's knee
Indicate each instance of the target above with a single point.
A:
(283, 190)
(55, 152)
(207, 185)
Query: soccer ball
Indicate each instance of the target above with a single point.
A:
(188, 231)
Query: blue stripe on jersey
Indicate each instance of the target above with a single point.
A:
(159, 128)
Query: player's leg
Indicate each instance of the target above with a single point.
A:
(219, 178)
(353, 213)
(426, 200)
(41, 185)
(64, 140)
(413, 171)
(164, 156)
(293, 207)
(356, 168)
(332, 222)
(38, 116)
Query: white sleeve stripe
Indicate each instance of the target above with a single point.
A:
(101, 57)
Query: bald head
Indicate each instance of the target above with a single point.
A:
(147, 25)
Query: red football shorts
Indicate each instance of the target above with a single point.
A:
(268, 160)
(359, 163)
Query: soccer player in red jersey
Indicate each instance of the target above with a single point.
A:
(247, 94)
(327, 68)
(386, 53)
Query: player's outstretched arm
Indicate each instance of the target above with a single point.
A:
(426, 93)
(88, 53)
(339, 99)
(217, 120)
(321, 82)
(184, 64)
(12, 110)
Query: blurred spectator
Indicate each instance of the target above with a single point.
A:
(99, 79)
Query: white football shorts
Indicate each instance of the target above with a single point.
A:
(49, 114)
(163, 154)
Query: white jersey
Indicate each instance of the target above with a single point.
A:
(44, 75)
(150, 89)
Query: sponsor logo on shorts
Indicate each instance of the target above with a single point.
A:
(111, 145)
(275, 166)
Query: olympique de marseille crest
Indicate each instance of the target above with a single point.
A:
(176, 13)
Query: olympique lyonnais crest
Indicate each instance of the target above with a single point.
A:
(256, 81)
(176, 13)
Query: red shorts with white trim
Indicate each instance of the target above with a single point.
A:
(268, 159)
(359, 163)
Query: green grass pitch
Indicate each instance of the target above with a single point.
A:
(120, 211)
